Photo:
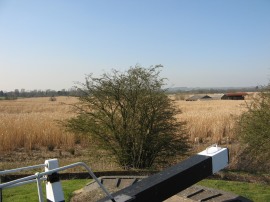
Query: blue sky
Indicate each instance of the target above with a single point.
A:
(212, 43)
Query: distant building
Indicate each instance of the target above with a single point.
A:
(234, 96)
(216, 96)
(199, 97)
(226, 96)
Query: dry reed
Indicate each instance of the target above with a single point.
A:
(211, 121)
(31, 123)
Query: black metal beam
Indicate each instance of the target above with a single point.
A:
(167, 183)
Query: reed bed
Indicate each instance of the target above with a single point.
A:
(30, 131)
(211, 121)
(32, 123)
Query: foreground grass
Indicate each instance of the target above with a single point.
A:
(252, 191)
(255, 192)
(29, 192)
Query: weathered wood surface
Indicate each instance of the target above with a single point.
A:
(92, 192)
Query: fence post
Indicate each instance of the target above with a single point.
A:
(54, 191)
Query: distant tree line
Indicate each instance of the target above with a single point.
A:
(11, 95)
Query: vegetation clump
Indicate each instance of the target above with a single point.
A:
(131, 116)
(254, 131)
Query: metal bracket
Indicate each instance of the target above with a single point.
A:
(54, 177)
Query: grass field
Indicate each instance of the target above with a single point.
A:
(29, 192)
(255, 192)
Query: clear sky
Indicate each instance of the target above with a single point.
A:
(212, 43)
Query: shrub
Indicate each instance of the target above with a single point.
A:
(130, 115)
(50, 147)
(52, 98)
(254, 131)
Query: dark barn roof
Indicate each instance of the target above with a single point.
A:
(234, 96)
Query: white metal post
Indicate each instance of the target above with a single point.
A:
(40, 194)
(54, 189)
(220, 157)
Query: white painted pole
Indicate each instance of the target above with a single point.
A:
(54, 191)
(40, 194)
(220, 157)
(4, 172)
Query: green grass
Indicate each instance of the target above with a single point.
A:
(253, 191)
(29, 192)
